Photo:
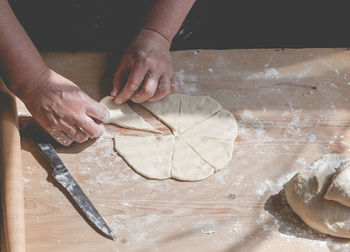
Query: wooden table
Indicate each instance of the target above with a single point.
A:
(292, 106)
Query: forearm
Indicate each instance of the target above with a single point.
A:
(20, 62)
(166, 16)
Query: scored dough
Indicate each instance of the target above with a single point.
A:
(221, 125)
(305, 194)
(187, 165)
(203, 149)
(122, 115)
(195, 109)
(150, 156)
(162, 157)
(216, 152)
(166, 110)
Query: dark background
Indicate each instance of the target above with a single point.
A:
(213, 24)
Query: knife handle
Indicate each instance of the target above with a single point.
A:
(54, 160)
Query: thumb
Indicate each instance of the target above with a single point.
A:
(118, 80)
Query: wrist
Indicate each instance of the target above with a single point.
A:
(155, 36)
(158, 32)
(26, 87)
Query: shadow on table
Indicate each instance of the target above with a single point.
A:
(29, 135)
(291, 225)
(30, 146)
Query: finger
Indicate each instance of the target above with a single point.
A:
(90, 127)
(80, 136)
(53, 128)
(73, 132)
(135, 80)
(148, 89)
(68, 128)
(164, 88)
(119, 79)
(60, 137)
(97, 111)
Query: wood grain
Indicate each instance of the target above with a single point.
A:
(11, 174)
(292, 106)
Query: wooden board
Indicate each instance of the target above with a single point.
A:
(292, 106)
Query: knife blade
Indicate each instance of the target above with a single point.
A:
(63, 177)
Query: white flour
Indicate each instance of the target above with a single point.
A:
(186, 87)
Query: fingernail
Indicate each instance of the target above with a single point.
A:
(114, 92)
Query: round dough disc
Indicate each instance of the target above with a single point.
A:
(202, 141)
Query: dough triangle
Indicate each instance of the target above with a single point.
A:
(187, 165)
(216, 152)
(166, 110)
(122, 115)
(150, 156)
(194, 109)
(222, 125)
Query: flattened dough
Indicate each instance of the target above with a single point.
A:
(195, 109)
(187, 165)
(122, 115)
(150, 156)
(203, 149)
(339, 189)
(221, 125)
(305, 194)
(166, 110)
(216, 152)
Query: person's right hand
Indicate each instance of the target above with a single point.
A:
(64, 110)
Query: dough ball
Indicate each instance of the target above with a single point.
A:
(305, 193)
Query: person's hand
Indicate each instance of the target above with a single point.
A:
(145, 71)
(64, 110)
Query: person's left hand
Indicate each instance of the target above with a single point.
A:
(145, 71)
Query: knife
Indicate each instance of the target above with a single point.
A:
(62, 176)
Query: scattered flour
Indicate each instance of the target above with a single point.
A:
(301, 161)
(285, 113)
(208, 227)
(221, 175)
(238, 180)
(303, 74)
(330, 66)
(272, 186)
(236, 227)
(272, 73)
(344, 143)
(103, 178)
(125, 204)
(182, 78)
(247, 114)
(311, 138)
(268, 74)
(301, 130)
